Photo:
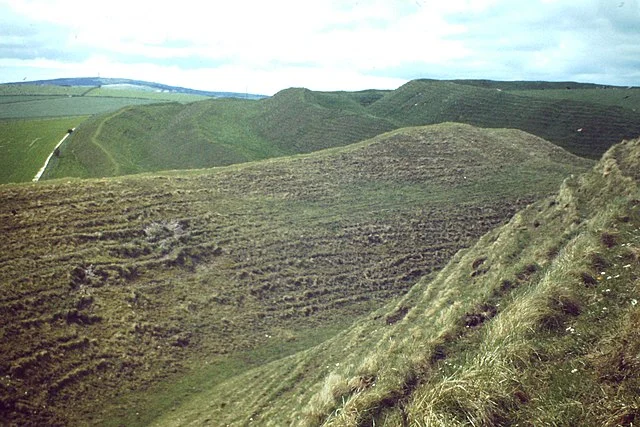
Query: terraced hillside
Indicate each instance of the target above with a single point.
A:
(584, 128)
(113, 286)
(536, 324)
(223, 132)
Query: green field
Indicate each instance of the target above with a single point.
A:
(220, 132)
(34, 101)
(25, 144)
(65, 106)
(123, 92)
(120, 285)
(41, 90)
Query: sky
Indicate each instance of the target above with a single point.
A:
(265, 46)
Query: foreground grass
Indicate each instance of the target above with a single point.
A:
(536, 324)
(25, 145)
(117, 286)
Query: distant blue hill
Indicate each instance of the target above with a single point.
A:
(100, 81)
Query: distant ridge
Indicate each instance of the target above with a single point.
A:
(525, 84)
(101, 81)
(585, 128)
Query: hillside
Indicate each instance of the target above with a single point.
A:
(585, 120)
(146, 289)
(584, 128)
(213, 133)
(536, 324)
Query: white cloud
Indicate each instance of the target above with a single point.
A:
(349, 44)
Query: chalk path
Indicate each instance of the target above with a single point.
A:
(41, 171)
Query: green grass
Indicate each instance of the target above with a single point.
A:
(621, 97)
(111, 92)
(221, 132)
(536, 324)
(143, 409)
(66, 106)
(584, 128)
(212, 133)
(40, 90)
(25, 145)
(117, 287)
(40, 101)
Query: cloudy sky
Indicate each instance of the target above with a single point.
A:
(265, 46)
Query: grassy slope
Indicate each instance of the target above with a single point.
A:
(25, 145)
(421, 102)
(537, 324)
(622, 97)
(216, 132)
(28, 112)
(112, 285)
(222, 132)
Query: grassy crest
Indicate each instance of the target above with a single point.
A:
(116, 286)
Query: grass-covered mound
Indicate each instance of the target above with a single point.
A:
(113, 286)
(536, 324)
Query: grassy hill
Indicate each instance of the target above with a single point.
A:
(43, 111)
(216, 132)
(128, 295)
(536, 324)
(580, 126)
(223, 132)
